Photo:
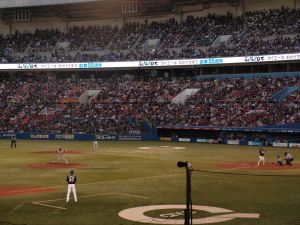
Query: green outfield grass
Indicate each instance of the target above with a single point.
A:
(120, 176)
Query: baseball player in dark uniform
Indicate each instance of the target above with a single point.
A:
(261, 156)
(71, 181)
(13, 142)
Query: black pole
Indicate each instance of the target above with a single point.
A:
(188, 210)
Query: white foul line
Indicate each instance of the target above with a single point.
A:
(52, 206)
(85, 196)
(99, 182)
(136, 196)
(130, 179)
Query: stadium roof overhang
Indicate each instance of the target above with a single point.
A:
(84, 9)
(27, 3)
(71, 10)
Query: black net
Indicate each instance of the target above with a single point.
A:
(240, 198)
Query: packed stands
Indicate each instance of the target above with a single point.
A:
(45, 104)
(258, 32)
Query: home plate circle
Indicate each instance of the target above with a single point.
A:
(219, 214)
(165, 147)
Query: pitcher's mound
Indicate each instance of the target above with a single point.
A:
(66, 152)
(48, 165)
(254, 166)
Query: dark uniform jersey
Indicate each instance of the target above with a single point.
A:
(71, 179)
(261, 152)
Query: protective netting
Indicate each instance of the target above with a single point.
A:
(258, 199)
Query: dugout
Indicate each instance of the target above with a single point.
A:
(257, 136)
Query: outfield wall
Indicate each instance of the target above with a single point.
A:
(277, 136)
(82, 137)
(142, 137)
(233, 142)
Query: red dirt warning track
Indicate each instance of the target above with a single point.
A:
(47, 165)
(67, 152)
(253, 166)
(22, 190)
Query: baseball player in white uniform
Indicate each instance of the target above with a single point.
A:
(60, 156)
(95, 142)
(71, 181)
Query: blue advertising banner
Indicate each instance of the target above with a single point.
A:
(100, 137)
(255, 143)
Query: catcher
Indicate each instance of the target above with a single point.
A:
(278, 160)
(60, 156)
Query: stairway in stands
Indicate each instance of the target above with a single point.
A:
(280, 95)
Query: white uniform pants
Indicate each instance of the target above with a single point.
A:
(59, 158)
(71, 187)
(261, 159)
(95, 144)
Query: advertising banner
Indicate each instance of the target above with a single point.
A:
(166, 139)
(280, 144)
(294, 145)
(152, 63)
(100, 137)
(184, 139)
(233, 142)
(255, 143)
(203, 140)
(213, 141)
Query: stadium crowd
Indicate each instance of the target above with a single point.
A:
(45, 104)
(243, 103)
(258, 32)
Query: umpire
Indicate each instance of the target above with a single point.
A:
(288, 158)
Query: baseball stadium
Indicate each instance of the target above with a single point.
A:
(133, 112)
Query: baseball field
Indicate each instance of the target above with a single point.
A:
(130, 183)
